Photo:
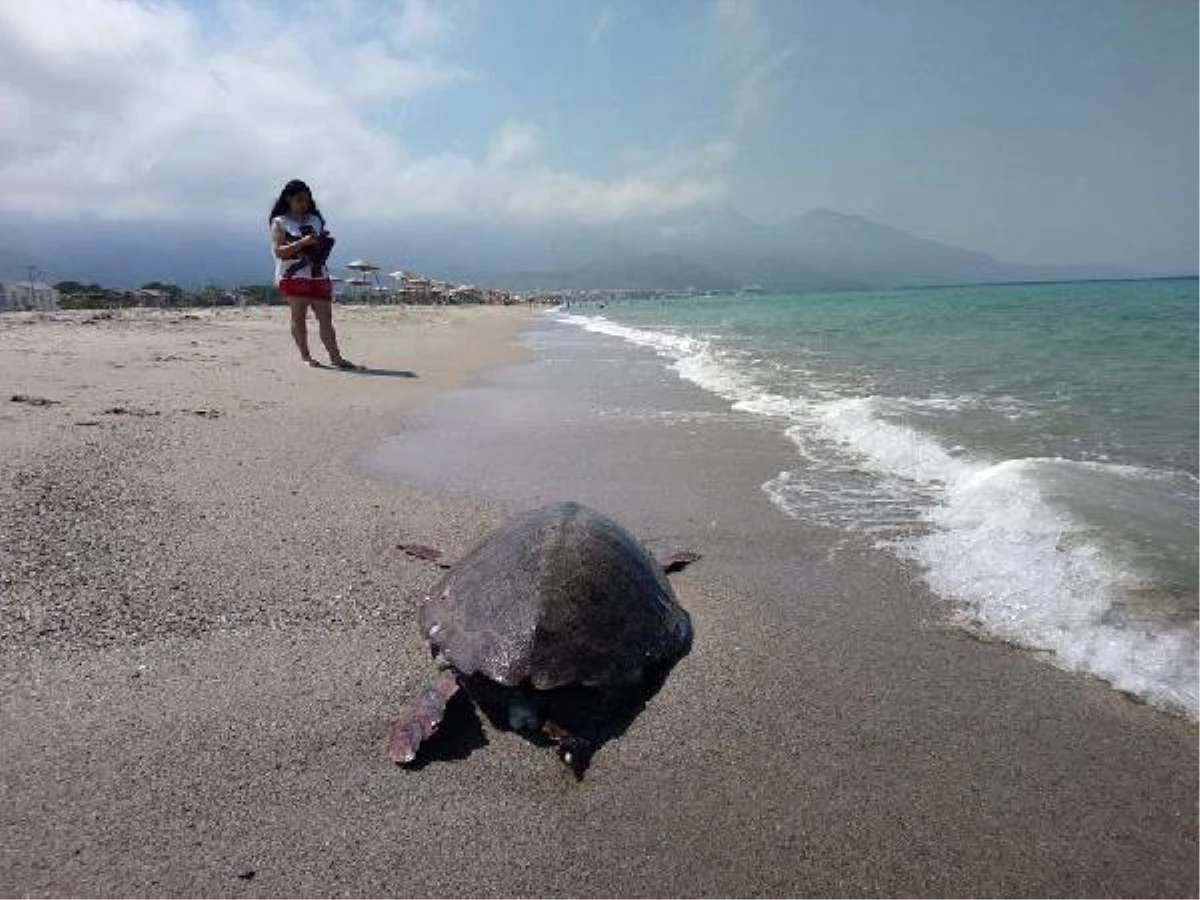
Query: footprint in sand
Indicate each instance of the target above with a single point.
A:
(128, 411)
(33, 401)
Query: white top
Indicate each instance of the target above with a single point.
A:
(290, 228)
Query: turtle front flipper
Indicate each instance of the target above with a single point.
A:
(421, 551)
(421, 722)
(677, 561)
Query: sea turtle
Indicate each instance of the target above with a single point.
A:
(557, 624)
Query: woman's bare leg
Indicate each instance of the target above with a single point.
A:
(323, 310)
(299, 308)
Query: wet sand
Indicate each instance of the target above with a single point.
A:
(206, 631)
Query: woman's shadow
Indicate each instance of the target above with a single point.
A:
(383, 373)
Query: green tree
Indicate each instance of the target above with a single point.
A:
(260, 294)
(175, 294)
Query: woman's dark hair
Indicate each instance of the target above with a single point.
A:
(290, 190)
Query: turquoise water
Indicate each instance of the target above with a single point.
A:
(1032, 448)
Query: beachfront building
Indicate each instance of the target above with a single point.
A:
(502, 298)
(365, 280)
(27, 295)
(418, 290)
(399, 279)
(409, 287)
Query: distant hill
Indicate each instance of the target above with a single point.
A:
(14, 263)
(719, 249)
(885, 257)
(882, 255)
(711, 249)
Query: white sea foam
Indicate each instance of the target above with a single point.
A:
(891, 449)
(998, 538)
(1023, 569)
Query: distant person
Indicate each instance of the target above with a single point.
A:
(301, 244)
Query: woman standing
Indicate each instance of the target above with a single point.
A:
(301, 245)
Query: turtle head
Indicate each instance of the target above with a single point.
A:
(524, 713)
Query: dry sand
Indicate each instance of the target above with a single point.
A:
(196, 587)
(206, 630)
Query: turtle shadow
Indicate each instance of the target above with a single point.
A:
(460, 734)
(593, 715)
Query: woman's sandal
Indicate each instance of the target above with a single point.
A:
(312, 362)
(346, 365)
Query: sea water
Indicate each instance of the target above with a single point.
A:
(1032, 449)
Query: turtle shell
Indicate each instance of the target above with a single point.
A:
(559, 596)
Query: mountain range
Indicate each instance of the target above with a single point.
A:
(716, 249)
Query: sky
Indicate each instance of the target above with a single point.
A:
(1040, 131)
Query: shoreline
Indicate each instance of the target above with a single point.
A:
(820, 658)
(1007, 576)
(208, 713)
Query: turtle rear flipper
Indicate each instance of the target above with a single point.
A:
(421, 722)
(573, 750)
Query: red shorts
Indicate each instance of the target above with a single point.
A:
(307, 288)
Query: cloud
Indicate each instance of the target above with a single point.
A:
(515, 141)
(138, 111)
(418, 24)
(378, 75)
(747, 46)
(92, 31)
(676, 160)
(512, 183)
(602, 27)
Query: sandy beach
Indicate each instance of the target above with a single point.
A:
(206, 630)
